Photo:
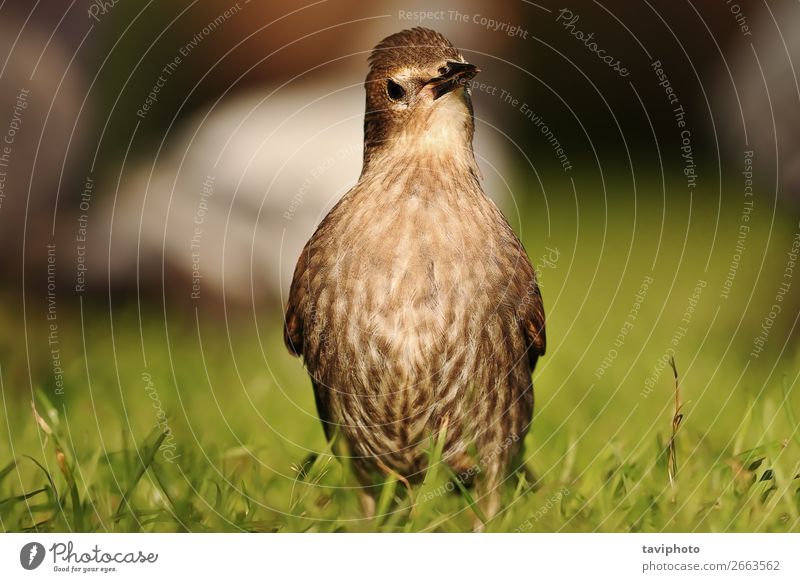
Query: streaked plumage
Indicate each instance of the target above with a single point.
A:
(414, 303)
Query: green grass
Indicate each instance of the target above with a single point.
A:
(246, 451)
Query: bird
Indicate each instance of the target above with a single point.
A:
(414, 306)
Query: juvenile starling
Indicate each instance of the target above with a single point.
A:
(414, 305)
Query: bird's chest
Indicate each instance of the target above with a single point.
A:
(413, 272)
(410, 304)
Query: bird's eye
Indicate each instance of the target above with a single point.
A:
(395, 91)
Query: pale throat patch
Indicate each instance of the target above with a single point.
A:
(447, 124)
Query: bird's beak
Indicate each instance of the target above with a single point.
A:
(456, 75)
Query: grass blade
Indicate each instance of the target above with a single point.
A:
(146, 455)
(467, 495)
(787, 407)
(7, 469)
(9, 501)
(677, 418)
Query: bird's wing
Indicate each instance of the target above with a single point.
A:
(531, 311)
(534, 323)
(296, 306)
(300, 301)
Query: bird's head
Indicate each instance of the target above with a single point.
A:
(417, 94)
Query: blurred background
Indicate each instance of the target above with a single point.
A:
(163, 163)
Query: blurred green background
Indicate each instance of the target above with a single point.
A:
(86, 450)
